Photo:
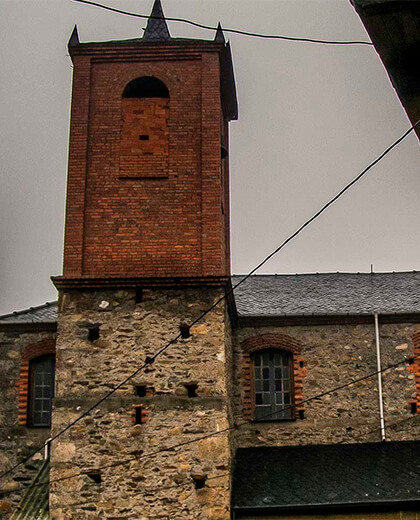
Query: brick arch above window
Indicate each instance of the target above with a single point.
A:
(263, 342)
(279, 341)
(30, 352)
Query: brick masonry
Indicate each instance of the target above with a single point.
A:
(147, 208)
(333, 355)
(31, 351)
(144, 149)
(272, 341)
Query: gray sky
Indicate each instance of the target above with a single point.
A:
(310, 118)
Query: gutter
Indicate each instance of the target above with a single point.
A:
(238, 512)
(264, 320)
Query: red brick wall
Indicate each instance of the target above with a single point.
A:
(46, 346)
(123, 223)
(147, 118)
(264, 342)
(415, 369)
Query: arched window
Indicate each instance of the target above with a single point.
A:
(41, 390)
(273, 385)
(144, 147)
(146, 87)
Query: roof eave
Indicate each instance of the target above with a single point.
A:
(380, 505)
(263, 320)
(37, 326)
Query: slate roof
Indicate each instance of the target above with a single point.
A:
(326, 475)
(46, 313)
(157, 29)
(34, 504)
(328, 294)
(325, 294)
(364, 3)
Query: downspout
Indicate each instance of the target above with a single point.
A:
(378, 359)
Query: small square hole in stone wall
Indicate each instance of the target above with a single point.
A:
(199, 482)
(413, 407)
(140, 390)
(143, 137)
(139, 294)
(138, 419)
(191, 389)
(93, 333)
(184, 329)
(95, 476)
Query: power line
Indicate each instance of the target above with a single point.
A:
(151, 360)
(379, 429)
(146, 491)
(229, 428)
(233, 31)
(221, 475)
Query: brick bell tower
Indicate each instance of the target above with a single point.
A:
(146, 251)
(148, 178)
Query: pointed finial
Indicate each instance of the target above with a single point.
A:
(157, 30)
(74, 38)
(220, 37)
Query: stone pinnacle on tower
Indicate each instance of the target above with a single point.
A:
(74, 38)
(157, 29)
(220, 37)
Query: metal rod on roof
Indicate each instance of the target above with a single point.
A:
(378, 359)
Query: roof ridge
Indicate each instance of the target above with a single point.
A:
(329, 273)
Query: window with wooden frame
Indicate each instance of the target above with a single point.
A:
(273, 385)
(271, 375)
(41, 391)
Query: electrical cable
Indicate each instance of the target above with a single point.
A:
(233, 31)
(377, 430)
(344, 441)
(175, 486)
(150, 360)
(230, 428)
(148, 491)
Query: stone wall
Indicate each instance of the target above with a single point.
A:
(152, 485)
(333, 355)
(16, 441)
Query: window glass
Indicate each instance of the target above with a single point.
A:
(272, 385)
(41, 391)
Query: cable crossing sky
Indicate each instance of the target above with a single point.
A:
(233, 31)
(151, 360)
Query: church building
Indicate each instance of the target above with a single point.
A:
(167, 391)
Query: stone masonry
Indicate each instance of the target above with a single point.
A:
(153, 485)
(17, 441)
(333, 355)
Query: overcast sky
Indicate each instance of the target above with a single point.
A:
(310, 118)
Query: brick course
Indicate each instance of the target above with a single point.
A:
(264, 342)
(46, 346)
(147, 208)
